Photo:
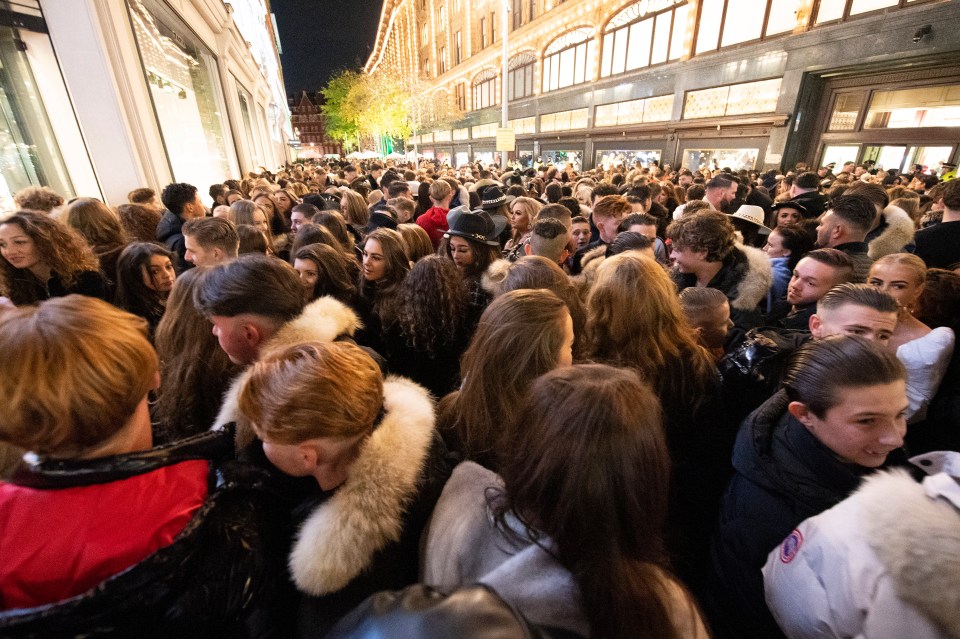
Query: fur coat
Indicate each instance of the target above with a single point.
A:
(883, 563)
(896, 231)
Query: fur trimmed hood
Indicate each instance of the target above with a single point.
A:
(897, 233)
(340, 537)
(323, 320)
(491, 278)
(757, 277)
(917, 538)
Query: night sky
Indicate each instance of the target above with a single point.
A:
(319, 37)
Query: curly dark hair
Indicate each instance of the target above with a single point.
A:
(139, 222)
(433, 307)
(176, 195)
(709, 231)
(58, 246)
(132, 294)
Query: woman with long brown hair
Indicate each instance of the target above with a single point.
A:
(42, 258)
(194, 370)
(634, 320)
(572, 531)
(431, 332)
(102, 230)
(385, 265)
(522, 335)
(324, 271)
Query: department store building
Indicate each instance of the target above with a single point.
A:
(749, 84)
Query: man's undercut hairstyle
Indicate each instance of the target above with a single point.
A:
(873, 192)
(841, 263)
(859, 295)
(396, 189)
(706, 230)
(696, 301)
(603, 190)
(252, 283)
(175, 196)
(557, 212)
(615, 206)
(808, 180)
(637, 219)
(719, 182)
(440, 190)
(629, 241)
(855, 210)
(214, 232)
(822, 370)
(548, 238)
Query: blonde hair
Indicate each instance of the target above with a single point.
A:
(301, 392)
(908, 260)
(74, 370)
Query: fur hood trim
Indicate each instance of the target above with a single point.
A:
(323, 320)
(340, 537)
(589, 265)
(491, 278)
(898, 233)
(755, 285)
(917, 539)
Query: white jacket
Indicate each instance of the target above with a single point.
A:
(884, 563)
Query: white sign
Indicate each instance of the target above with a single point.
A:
(506, 140)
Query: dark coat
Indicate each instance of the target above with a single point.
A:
(437, 370)
(26, 289)
(782, 476)
(170, 233)
(219, 577)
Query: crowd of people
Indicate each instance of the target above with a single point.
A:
(432, 401)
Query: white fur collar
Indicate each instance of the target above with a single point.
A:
(340, 537)
(323, 320)
(899, 233)
(756, 283)
(918, 541)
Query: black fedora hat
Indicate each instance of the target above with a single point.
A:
(472, 225)
(493, 197)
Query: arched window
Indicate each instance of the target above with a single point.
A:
(520, 77)
(644, 33)
(568, 60)
(485, 89)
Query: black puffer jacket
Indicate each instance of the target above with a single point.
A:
(221, 577)
(783, 475)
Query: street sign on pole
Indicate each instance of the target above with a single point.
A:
(506, 139)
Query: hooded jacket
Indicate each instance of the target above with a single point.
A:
(745, 279)
(895, 231)
(170, 232)
(364, 535)
(171, 541)
(783, 475)
(883, 564)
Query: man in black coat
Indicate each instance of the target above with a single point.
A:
(183, 203)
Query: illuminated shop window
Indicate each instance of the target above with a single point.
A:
(564, 120)
(830, 10)
(846, 106)
(461, 134)
(485, 89)
(569, 60)
(485, 130)
(460, 96)
(715, 159)
(645, 33)
(520, 75)
(919, 107)
(656, 109)
(186, 93)
(608, 159)
(733, 99)
(724, 23)
(523, 126)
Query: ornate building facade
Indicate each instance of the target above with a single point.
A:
(742, 83)
(307, 122)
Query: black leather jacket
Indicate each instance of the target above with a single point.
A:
(221, 577)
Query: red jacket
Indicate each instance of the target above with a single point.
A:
(57, 543)
(434, 222)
